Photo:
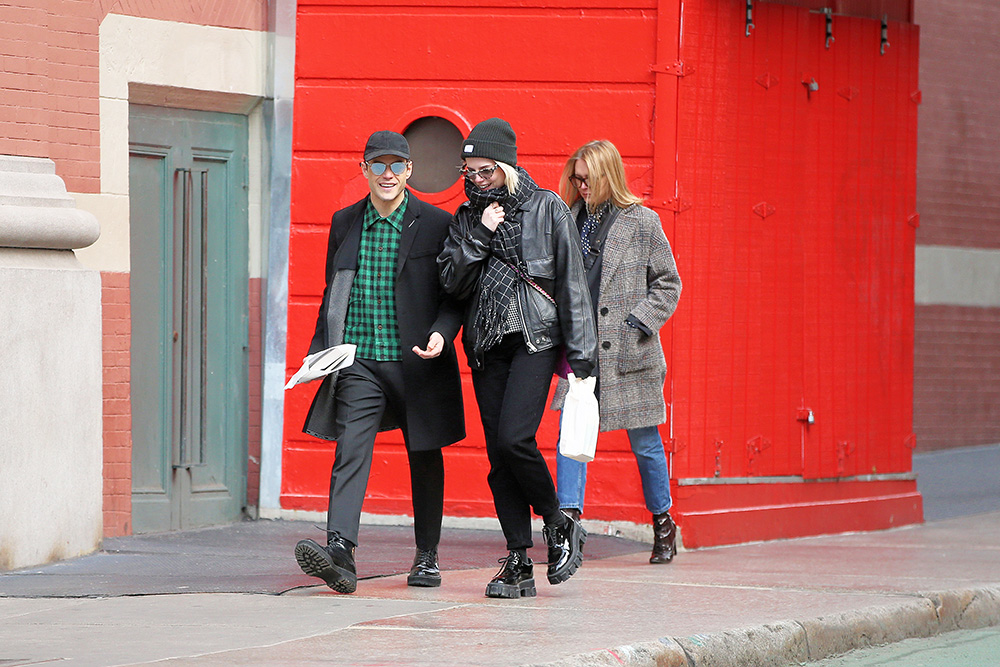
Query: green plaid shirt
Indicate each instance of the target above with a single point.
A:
(371, 314)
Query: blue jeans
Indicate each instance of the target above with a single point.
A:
(647, 447)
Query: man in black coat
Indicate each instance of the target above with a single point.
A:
(383, 294)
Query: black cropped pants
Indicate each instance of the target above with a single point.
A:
(512, 388)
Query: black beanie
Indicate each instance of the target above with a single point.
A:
(492, 139)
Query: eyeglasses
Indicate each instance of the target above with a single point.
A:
(485, 173)
(378, 168)
(577, 181)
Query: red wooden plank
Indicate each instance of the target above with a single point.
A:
(336, 44)
(626, 110)
(859, 507)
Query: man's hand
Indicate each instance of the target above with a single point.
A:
(435, 346)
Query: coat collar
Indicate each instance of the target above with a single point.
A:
(411, 223)
(617, 244)
(347, 254)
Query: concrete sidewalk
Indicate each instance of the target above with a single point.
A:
(776, 603)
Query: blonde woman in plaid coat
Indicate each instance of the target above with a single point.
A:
(634, 287)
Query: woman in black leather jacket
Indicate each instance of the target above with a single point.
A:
(512, 255)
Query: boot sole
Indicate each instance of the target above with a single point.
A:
(574, 563)
(525, 589)
(423, 581)
(664, 558)
(315, 562)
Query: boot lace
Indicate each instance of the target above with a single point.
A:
(425, 559)
(509, 562)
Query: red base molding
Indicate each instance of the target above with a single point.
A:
(718, 514)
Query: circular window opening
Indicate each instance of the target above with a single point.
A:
(435, 148)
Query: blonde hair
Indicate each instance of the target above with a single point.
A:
(606, 178)
(510, 176)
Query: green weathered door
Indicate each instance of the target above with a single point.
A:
(189, 311)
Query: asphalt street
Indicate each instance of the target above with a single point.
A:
(959, 482)
(964, 648)
(953, 483)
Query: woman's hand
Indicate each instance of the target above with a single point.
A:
(493, 216)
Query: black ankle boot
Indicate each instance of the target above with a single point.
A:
(664, 538)
(565, 544)
(425, 571)
(333, 563)
(514, 580)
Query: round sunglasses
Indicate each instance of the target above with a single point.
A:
(485, 172)
(378, 168)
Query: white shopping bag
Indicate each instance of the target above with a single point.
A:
(580, 420)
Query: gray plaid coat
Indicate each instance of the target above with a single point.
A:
(638, 277)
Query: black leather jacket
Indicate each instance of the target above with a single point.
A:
(550, 247)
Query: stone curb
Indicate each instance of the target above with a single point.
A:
(797, 642)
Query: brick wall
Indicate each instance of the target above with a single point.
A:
(49, 79)
(245, 14)
(49, 75)
(957, 348)
(957, 359)
(958, 175)
(116, 306)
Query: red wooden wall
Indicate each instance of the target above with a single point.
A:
(346, 88)
(788, 211)
(797, 258)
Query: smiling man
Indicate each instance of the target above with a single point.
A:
(383, 294)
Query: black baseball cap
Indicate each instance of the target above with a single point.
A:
(385, 142)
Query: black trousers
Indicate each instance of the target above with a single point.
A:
(512, 388)
(365, 391)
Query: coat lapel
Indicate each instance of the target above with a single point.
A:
(347, 250)
(616, 246)
(411, 223)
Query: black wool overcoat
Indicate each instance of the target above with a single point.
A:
(435, 416)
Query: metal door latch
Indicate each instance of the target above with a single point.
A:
(805, 415)
(828, 11)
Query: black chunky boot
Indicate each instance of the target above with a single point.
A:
(565, 544)
(333, 563)
(664, 538)
(515, 579)
(425, 571)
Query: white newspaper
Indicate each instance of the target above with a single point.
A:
(323, 363)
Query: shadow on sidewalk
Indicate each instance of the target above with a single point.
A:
(256, 557)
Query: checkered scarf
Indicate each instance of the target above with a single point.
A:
(497, 287)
